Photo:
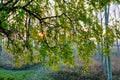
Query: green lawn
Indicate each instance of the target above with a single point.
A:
(36, 73)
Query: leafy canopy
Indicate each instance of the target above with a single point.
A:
(52, 30)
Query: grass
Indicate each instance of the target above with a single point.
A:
(14, 75)
(36, 73)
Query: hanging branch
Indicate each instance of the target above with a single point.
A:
(28, 3)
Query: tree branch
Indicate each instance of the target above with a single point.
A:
(52, 17)
(15, 3)
(28, 3)
(67, 17)
(40, 19)
(5, 31)
(31, 13)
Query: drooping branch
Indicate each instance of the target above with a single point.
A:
(31, 13)
(52, 17)
(28, 3)
(15, 3)
(40, 19)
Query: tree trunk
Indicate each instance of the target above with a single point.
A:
(109, 72)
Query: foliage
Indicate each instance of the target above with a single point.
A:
(45, 30)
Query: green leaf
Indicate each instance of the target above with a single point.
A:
(21, 13)
(4, 24)
(1, 5)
